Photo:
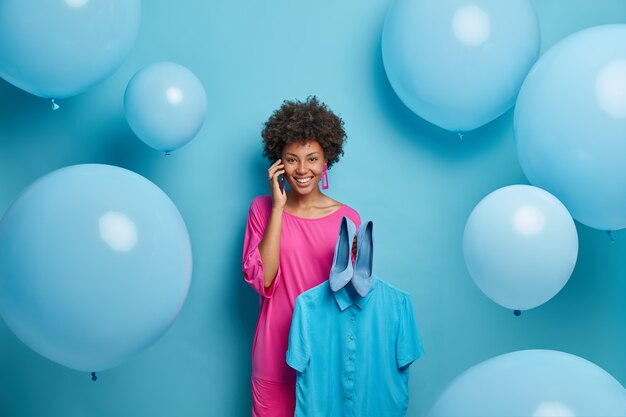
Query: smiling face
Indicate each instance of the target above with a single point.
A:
(304, 165)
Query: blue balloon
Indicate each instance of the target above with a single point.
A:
(537, 383)
(95, 264)
(60, 48)
(165, 105)
(459, 64)
(520, 246)
(570, 124)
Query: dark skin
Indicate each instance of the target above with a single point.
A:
(302, 165)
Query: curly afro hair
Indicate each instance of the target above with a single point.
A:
(304, 121)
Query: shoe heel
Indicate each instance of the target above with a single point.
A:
(342, 269)
(362, 277)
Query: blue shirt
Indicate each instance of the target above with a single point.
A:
(352, 353)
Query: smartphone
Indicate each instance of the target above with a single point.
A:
(281, 183)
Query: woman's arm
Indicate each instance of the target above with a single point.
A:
(270, 244)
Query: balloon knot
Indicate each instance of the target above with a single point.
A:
(610, 235)
(94, 377)
(517, 313)
(54, 105)
(460, 135)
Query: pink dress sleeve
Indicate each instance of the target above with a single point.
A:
(252, 264)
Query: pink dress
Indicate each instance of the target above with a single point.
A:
(307, 247)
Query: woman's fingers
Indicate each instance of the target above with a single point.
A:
(275, 175)
(276, 163)
(274, 168)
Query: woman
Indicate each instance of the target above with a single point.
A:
(290, 238)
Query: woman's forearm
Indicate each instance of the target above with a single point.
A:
(269, 248)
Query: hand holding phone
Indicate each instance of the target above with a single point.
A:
(276, 171)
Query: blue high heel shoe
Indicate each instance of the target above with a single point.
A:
(362, 279)
(341, 271)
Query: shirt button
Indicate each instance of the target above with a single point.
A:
(349, 397)
(349, 378)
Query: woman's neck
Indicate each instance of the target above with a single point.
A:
(305, 202)
(310, 205)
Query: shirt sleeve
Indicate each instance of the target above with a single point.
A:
(252, 264)
(408, 344)
(298, 353)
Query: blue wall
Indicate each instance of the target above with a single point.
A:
(416, 182)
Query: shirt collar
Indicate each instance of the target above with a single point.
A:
(342, 297)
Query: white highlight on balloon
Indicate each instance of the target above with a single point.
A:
(611, 88)
(174, 95)
(118, 231)
(471, 25)
(553, 409)
(528, 220)
(76, 3)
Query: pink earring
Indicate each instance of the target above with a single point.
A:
(325, 178)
